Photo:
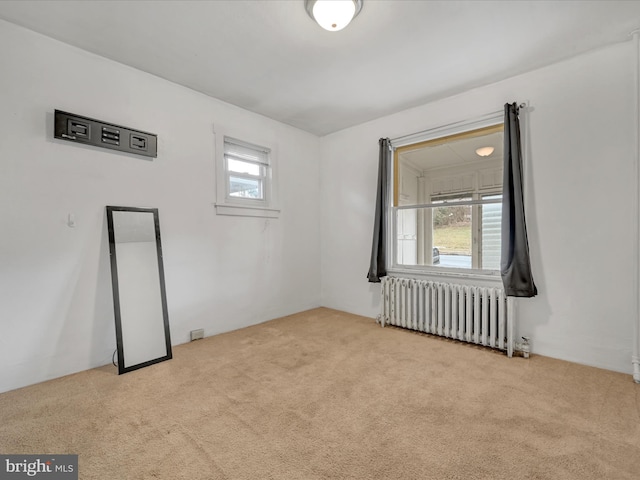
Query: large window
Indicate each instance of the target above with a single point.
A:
(447, 201)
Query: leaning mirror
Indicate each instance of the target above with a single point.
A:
(139, 297)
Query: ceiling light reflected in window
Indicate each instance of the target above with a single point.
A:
(484, 151)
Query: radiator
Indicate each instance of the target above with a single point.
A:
(478, 315)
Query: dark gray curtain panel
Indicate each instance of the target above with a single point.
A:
(515, 265)
(378, 265)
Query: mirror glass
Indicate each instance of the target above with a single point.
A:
(142, 324)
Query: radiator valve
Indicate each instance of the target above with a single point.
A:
(525, 347)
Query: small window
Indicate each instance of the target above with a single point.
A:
(447, 202)
(246, 170)
(245, 186)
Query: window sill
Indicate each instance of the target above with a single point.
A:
(246, 211)
(487, 276)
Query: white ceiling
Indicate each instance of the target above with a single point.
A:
(269, 57)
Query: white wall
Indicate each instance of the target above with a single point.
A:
(580, 202)
(222, 273)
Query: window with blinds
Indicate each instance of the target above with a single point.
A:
(246, 170)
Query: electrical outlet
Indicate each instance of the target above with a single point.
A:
(197, 334)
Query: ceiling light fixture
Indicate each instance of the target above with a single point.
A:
(333, 15)
(484, 151)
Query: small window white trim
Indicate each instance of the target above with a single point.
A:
(257, 153)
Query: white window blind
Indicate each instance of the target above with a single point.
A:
(491, 230)
(243, 151)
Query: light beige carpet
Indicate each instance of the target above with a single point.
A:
(324, 394)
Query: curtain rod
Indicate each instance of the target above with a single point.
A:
(453, 124)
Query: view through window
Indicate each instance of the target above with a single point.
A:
(448, 201)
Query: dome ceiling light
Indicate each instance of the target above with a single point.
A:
(333, 15)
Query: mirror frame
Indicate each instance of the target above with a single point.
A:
(116, 293)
